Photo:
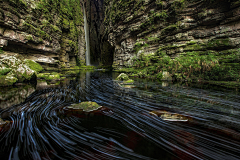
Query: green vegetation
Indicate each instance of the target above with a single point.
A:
(1, 51)
(4, 71)
(33, 65)
(122, 77)
(85, 106)
(50, 76)
(191, 66)
(130, 81)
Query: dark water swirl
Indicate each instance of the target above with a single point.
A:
(42, 128)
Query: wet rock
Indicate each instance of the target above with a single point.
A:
(13, 69)
(10, 96)
(54, 76)
(166, 76)
(2, 122)
(130, 81)
(85, 106)
(168, 116)
(122, 77)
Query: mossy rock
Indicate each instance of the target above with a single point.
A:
(85, 106)
(7, 80)
(122, 77)
(168, 116)
(33, 65)
(4, 71)
(130, 81)
(49, 76)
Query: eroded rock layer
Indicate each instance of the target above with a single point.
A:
(172, 27)
(48, 32)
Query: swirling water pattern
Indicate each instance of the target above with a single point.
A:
(43, 128)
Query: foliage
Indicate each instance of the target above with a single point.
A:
(189, 66)
(1, 51)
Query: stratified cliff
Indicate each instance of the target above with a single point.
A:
(174, 28)
(49, 32)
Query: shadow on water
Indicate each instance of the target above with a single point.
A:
(148, 120)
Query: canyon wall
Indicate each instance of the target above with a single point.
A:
(49, 32)
(172, 28)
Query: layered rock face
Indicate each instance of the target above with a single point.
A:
(172, 28)
(48, 32)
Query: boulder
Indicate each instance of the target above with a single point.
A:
(85, 106)
(122, 77)
(13, 69)
(166, 76)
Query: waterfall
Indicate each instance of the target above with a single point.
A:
(86, 29)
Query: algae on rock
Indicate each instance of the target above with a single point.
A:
(85, 106)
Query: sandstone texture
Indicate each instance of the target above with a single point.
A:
(171, 27)
(48, 32)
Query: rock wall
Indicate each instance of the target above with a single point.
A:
(49, 32)
(172, 27)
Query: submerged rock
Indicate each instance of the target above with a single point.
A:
(168, 116)
(13, 95)
(85, 106)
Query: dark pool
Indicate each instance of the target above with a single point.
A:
(191, 121)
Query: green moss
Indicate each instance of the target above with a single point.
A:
(33, 65)
(49, 76)
(130, 81)
(4, 71)
(219, 43)
(6, 80)
(85, 106)
(122, 77)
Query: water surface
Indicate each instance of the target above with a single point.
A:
(41, 126)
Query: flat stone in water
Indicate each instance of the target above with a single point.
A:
(85, 106)
(168, 116)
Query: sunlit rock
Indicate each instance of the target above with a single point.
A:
(168, 116)
(14, 70)
(85, 106)
(122, 77)
(166, 76)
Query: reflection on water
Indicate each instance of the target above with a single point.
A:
(41, 126)
(13, 95)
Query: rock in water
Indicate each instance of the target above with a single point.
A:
(122, 77)
(168, 116)
(14, 70)
(2, 122)
(85, 106)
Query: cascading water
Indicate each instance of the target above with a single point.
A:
(86, 29)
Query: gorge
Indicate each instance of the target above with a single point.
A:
(178, 97)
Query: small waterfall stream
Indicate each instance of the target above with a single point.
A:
(86, 29)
